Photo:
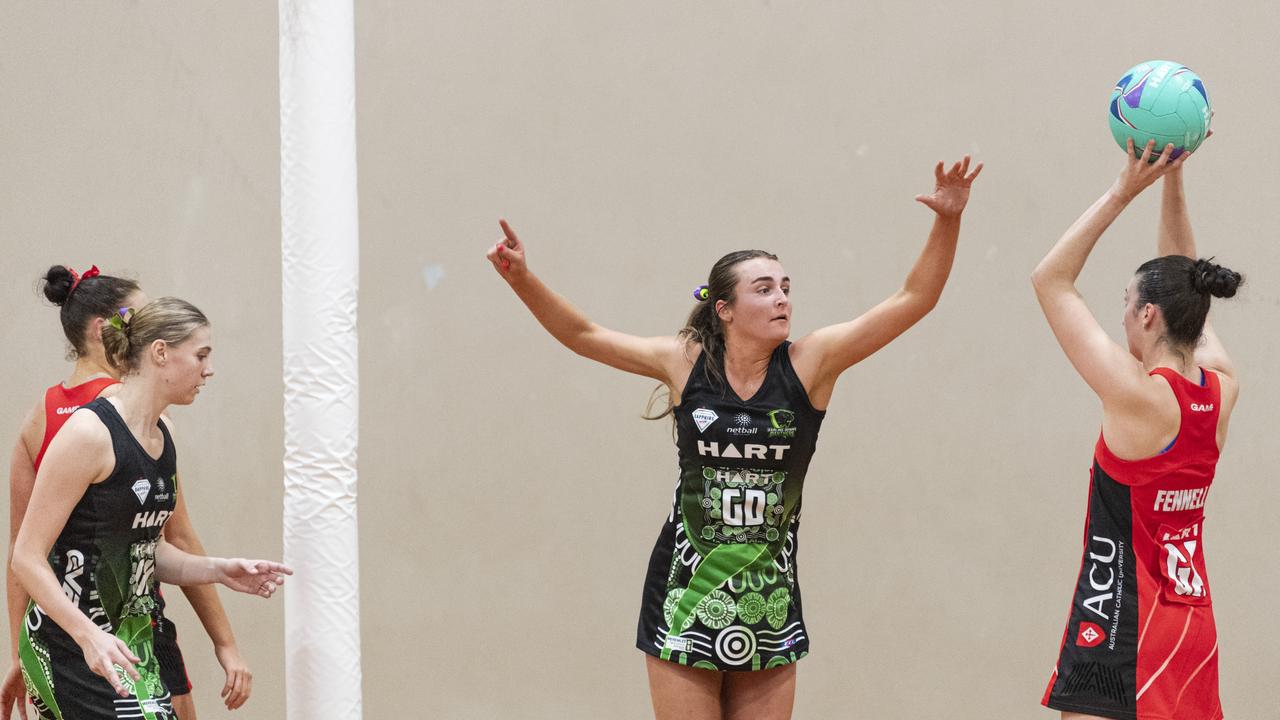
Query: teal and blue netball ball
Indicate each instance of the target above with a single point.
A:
(1162, 101)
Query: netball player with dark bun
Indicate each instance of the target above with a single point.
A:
(1140, 640)
(721, 595)
(88, 548)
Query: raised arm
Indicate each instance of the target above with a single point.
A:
(79, 455)
(821, 356)
(659, 358)
(1176, 238)
(1109, 369)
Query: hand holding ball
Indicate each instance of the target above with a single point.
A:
(1162, 101)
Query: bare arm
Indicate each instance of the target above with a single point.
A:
(79, 455)
(180, 533)
(1109, 369)
(13, 695)
(659, 358)
(22, 477)
(1175, 237)
(827, 352)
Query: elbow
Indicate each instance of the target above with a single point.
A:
(20, 566)
(920, 303)
(1041, 279)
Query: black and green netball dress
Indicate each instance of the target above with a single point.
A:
(105, 560)
(721, 592)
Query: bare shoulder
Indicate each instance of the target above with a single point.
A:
(680, 360)
(1230, 386)
(85, 429)
(807, 352)
(31, 434)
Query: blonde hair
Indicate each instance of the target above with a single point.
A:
(130, 332)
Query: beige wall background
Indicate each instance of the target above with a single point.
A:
(510, 491)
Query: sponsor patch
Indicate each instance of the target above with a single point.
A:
(142, 488)
(679, 644)
(1090, 635)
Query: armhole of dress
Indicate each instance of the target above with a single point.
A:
(698, 364)
(107, 418)
(46, 436)
(789, 371)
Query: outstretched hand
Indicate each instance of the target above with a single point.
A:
(254, 577)
(1140, 172)
(507, 255)
(952, 191)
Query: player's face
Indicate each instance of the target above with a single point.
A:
(762, 304)
(189, 366)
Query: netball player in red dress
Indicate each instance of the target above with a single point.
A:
(1140, 642)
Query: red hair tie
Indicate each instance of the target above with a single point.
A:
(76, 278)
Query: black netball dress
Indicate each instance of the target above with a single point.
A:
(105, 561)
(722, 591)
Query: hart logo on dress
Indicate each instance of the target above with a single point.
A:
(142, 488)
(1090, 635)
(703, 418)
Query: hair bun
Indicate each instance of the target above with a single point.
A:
(1209, 277)
(57, 284)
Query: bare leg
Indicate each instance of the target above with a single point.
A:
(184, 706)
(683, 693)
(760, 695)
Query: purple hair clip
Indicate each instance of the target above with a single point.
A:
(120, 321)
(701, 293)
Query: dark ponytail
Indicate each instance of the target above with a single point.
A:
(1182, 288)
(96, 296)
(703, 326)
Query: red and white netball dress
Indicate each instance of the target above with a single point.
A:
(1140, 642)
(60, 402)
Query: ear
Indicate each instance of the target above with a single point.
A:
(160, 352)
(1148, 316)
(95, 329)
(723, 311)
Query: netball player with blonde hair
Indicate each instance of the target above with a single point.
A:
(91, 549)
(86, 302)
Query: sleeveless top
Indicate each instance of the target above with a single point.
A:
(722, 590)
(60, 402)
(1140, 641)
(104, 558)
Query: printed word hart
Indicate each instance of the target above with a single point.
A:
(748, 452)
(155, 518)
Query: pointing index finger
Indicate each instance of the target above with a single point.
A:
(512, 240)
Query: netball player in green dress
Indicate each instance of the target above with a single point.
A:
(720, 616)
(90, 548)
(86, 302)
